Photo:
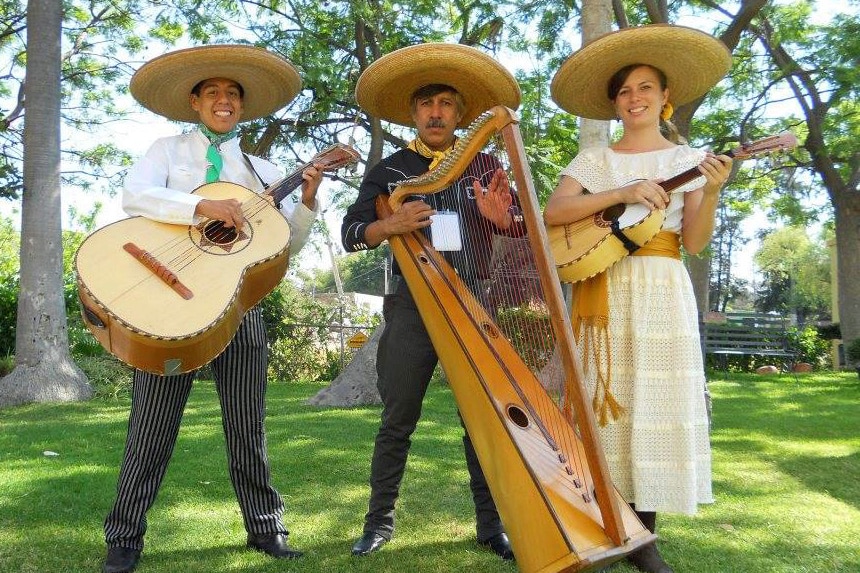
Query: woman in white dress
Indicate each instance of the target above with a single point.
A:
(637, 322)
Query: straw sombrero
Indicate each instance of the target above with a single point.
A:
(164, 84)
(692, 60)
(384, 89)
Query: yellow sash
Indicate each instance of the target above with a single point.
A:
(664, 244)
(590, 317)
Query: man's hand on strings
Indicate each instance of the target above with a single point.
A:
(312, 176)
(495, 200)
(227, 210)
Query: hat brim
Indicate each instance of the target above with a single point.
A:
(692, 60)
(163, 85)
(386, 86)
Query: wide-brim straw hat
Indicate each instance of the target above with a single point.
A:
(385, 87)
(692, 60)
(163, 85)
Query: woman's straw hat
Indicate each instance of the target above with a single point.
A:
(692, 60)
(385, 88)
(163, 85)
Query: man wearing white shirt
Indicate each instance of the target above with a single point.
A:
(215, 87)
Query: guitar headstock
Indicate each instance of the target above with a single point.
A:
(336, 156)
(779, 142)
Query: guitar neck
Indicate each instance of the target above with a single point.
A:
(686, 176)
(283, 187)
(329, 159)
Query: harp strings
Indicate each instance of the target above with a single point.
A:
(501, 277)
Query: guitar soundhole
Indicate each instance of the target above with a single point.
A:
(218, 234)
(518, 416)
(216, 239)
(612, 213)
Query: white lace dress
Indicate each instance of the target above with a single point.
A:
(659, 451)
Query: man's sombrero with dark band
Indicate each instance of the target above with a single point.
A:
(163, 84)
(384, 89)
(692, 60)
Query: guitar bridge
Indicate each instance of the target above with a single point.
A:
(159, 269)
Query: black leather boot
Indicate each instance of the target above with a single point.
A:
(273, 544)
(368, 543)
(648, 559)
(121, 560)
(500, 545)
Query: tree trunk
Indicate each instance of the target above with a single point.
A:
(847, 214)
(44, 370)
(700, 270)
(596, 21)
(356, 384)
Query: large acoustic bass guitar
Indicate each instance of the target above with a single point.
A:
(168, 298)
(591, 245)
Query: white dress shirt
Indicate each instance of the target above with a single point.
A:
(159, 185)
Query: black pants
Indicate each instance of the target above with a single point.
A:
(157, 405)
(405, 362)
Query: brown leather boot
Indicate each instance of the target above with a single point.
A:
(648, 559)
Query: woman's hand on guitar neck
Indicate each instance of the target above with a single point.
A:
(716, 169)
(227, 210)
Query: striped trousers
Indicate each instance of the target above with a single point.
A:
(157, 405)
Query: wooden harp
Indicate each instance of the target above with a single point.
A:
(507, 349)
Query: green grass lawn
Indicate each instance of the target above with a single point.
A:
(786, 469)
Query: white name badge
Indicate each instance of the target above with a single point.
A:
(445, 231)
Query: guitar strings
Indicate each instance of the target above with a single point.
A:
(213, 231)
(173, 261)
(216, 232)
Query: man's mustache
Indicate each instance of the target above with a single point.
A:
(435, 122)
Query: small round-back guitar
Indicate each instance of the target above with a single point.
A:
(166, 298)
(591, 245)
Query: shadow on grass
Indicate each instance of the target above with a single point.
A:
(783, 419)
(320, 460)
(52, 507)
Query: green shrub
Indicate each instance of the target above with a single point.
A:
(304, 338)
(852, 351)
(742, 363)
(300, 354)
(109, 377)
(8, 313)
(809, 346)
(7, 364)
(81, 340)
(519, 323)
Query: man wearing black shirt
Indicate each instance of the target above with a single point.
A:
(436, 88)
